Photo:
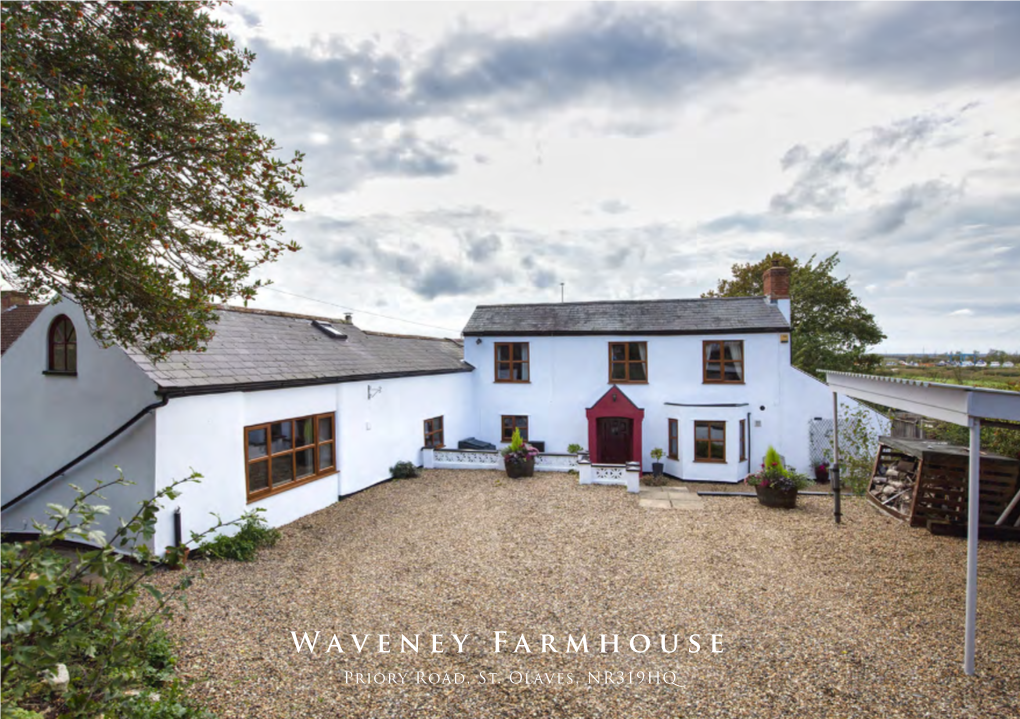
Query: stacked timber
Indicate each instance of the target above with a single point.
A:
(893, 486)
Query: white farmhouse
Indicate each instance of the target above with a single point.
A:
(290, 412)
(709, 381)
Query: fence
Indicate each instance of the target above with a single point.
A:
(627, 475)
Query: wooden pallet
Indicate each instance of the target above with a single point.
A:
(941, 487)
(941, 492)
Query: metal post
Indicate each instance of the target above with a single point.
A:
(178, 531)
(834, 472)
(973, 492)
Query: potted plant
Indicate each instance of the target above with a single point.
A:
(519, 457)
(574, 448)
(822, 472)
(176, 556)
(656, 462)
(775, 485)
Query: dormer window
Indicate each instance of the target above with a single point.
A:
(329, 330)
(63, 347)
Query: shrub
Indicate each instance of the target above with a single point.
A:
(403, 470)
(243, 546)
(774, 474)
(657, 454)
(574, 448)
(858, 445)
(518, 451)
(56, 611)
(19, 713)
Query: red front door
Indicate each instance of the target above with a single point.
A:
(614, 440)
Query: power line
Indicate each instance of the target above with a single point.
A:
(366, 312)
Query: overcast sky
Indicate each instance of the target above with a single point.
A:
(469, 154)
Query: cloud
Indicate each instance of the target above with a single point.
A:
(543, 279)
(965, 312)
(483, 248)
(824, 178)
(890, 217)
(444, 278)
(657, 54)
(614, 207)
(410, 156)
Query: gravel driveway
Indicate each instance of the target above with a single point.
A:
(864, 620)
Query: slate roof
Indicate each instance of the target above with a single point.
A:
(629, 317)
(15, 320)
(260, 348)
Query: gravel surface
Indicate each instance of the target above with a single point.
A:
(863, 620)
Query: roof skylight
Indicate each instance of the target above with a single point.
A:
(329, 330)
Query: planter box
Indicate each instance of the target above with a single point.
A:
(516, 470)
(779, 498)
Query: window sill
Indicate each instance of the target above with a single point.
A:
(628, 381)
(675, 458)
(710, 461)
(721, 381)
(262, 494)
(511, 381)
(58, 373)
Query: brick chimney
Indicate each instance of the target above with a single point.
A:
(777, 282)
(777, 288)
(11, 298)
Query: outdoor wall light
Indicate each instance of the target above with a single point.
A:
(373, 392)
(478, 341)
(614, 396)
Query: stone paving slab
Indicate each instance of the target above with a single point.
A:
(655, 503)
(669, 498)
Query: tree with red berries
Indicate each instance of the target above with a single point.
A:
(125, 186)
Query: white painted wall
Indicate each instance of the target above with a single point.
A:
(814, 399)
(570, 374)
(377, 433)
(49, 420)
(206, 433)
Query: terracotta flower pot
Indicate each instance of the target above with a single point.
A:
(516, 470)
(779, 498)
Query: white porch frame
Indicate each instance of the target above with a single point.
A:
(959, 404)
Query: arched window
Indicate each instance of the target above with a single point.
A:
(63, 347)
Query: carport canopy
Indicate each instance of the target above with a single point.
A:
(959, 404)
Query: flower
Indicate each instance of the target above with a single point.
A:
(776, 476)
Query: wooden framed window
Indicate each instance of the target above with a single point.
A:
(710, 442)
(289, 453)
(434, 433)
(743, 440)
(628, 362)
(723, 361)
(512, 422)
(62, 347)
(513, 363)
(674, 439)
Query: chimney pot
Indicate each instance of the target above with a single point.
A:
(348, 318)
